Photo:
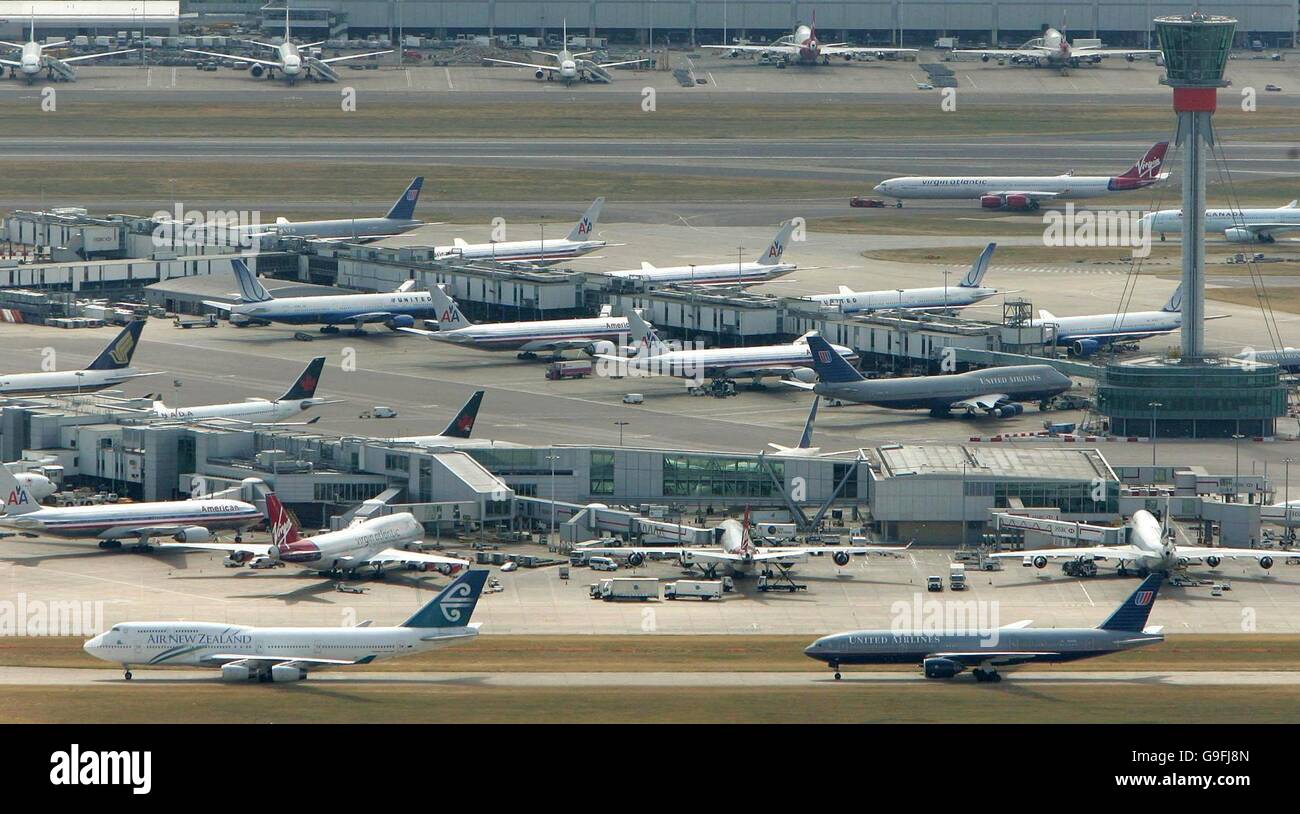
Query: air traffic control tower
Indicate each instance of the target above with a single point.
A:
(1196, 395)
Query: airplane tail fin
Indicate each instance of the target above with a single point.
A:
(17, 500)
(284, 531)
(1175, 303)
(586, 225)
(463, 424)
(250, 290)
(305, 386)
(772, 254)
(1148, 166)
(830, 366)
(1132, 616)
(454, 605)
(449, 315)
(119, 352)
(977, 271)
(643, 334)
(404, 208)
(805, 440)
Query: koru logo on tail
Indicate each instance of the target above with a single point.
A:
(453, 606)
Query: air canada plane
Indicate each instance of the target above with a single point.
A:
(944, 653)
(997, 391)
(244, 652)
(300, 396)
(1236, 225)
(110, 368)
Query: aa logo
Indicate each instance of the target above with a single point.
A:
(122, 349)
(776, 249)
(584, 227)
(17, 497)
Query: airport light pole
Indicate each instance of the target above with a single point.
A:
(1236, 473)
(621, 425)
(946, 274)
(1154, 405)
(550, 457)
(1286, 495)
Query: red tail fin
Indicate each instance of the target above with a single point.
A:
(1148, 166)
(284, 531)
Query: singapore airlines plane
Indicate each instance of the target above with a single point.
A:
(1027, 192)
(801, 46)
(33, 59)
(110, 368)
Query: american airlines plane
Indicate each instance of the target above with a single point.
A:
(803, 47)
(1027, 192)
(767, 266)
(33, 60)
(1236, 225)
(244, 652)
(967, 292)
(534, 252)
(110, 368)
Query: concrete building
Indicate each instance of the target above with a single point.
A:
(67, 18)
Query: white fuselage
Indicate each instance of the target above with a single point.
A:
(351, 547)
(32, 60)
(756, 362)
(969, 187)
(934, 297)
(290, 60)
(539, 335)
(1133, 323)
(1168, 221)
(537, 251)
(712, 274)
(335, 308)
(1145, 535)
(115, 520)
(256, 410)
(71, 381)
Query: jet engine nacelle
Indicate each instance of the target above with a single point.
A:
(1083, 348)
(1213, 562)
(1266, 563)
(540, 74)
(985, 58)
(1009, 410)
(400, 321)
(256, 70)
(1020, 202)
(942, 668)
(239, 557)
(192, 534)
(991, 201)
(602, 347)
(234, 672)
(1130, 58)
(1239, 235)
(804, 374)
(286, 672)
(635, 558)
(840, 558)
(1040, 561)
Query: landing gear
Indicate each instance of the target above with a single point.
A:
(987, 676)
(526, 355)
(329, 329)
(127, 674)
(110, 544)
(898, 204)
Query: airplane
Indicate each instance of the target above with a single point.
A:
(398, 220)
(945, 653)
(1052, 50)
(569, 67)
(185, 521)
(967, 292)
(34, 60)
(457, 432)
(995, 391)
(37, 485)
(1151, 548)
(755, 363)
(1086, 334)
(804, 447)
(1287, 358)
(594, 335)
(111, 367)
(290, 60)
(395, 309)
(279, 654)
(768, 266)
(1025, 193)
(1236, 225)
(735, 551)
(299, 397)
(802, 47)
(532, 252)
(371, 541)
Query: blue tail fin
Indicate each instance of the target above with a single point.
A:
(463, 424)
(830, 366)
(976, 274)
(1175, 302)
(304, 387)
(454, 605)
(405, 206)
(1132, 615)
(250, 290)
(119, 352)
(805, 440)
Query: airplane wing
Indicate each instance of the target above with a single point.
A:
(1268, 228)
(305, 661)
(843, 48)
(994, 658)
(760, 49)
(397, 555)
(779, 552)
(268, 62)
(701, 554)
(1004, 52)
(570, 343)
(1096, 552)
(85, 57)
(11, 63)
(1202, 553)
(616, 64)
(260, 549)
(332, 60)
(1113, 52)
(985, 402)
(532, 65)
(1137, 334)
(370, 316)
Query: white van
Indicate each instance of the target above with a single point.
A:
(634, 398)
(602, 564)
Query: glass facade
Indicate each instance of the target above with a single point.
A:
(703, 476)
(602, 473)
(1195, 401)
(1070, 497)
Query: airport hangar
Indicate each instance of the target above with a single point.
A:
(61, 18)
(915, 22)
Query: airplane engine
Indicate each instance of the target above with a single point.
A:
(192, 534)
(1266, 563)
(540, 74)
(602, 348)
(1213, 562)
(985, 58)
(1009, 410)
(1130, 58)
(448, 569)
(840, 558)
(234, 672)
(991, 201)
(941, 668)
(1237, 235)
(1040, 561)
(635, 558)
(804, 374)
(256, 70)
(1083, 348)
(685, 560)
(285, 672)
(1020, 202)
(239, 557)
(400, 321)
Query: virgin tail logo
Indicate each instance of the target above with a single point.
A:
(283, 530)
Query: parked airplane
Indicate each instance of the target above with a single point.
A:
(945, 653)
(754, 363)
(735, 551)
(289, 653)
(967, 292)
(37, 485)
(1236, 225)
(110, 368)
(1286, 358)
(592, 334)
(1151, 548)
(395, 309)
(1052, 50)
(299, 397)
(804, 447)
(996, 391)
(533, 252)
(457, 432)
(1028, 192)
(371, 541)
(803, 47)
(768, 266)
(398, 220)
(569, 67)
(290, 59)
(1085, 335)
(33, 59)
(186, 521)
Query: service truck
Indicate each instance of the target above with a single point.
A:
(616, 589)
(571, 369)
(957, 576)
(703, 589)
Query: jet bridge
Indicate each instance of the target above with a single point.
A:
(577, 522)
(1064, 533)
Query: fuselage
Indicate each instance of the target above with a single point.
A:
(732, 362)
(537, 251)
(252, 410)
(1132, 324)
(347, 227)
(913, 647)
(333, 309)
(535, 335)
(939, 393)
(712, 274)
(968, 187)
(71, 381)
(114, 520)
(1221, 220)
(934, 297)
(352, 546)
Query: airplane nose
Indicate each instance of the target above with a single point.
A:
(883, 186)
